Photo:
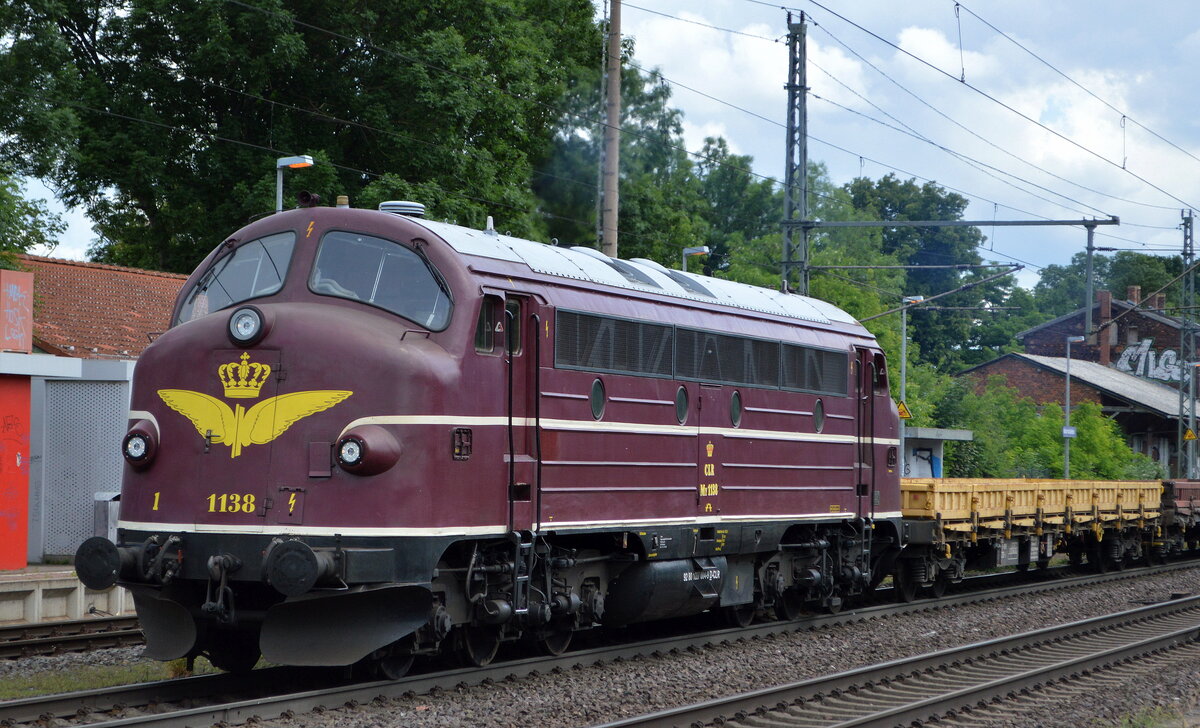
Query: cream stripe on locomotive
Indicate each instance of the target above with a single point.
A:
(589, 426)
(497, 530)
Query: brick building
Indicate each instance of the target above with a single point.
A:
(1134, 336)
(1130, 367)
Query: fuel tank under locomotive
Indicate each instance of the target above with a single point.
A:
(651, 590)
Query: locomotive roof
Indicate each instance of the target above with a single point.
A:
(638, 274)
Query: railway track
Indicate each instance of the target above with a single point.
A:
(236, 699)
(945, 685)
(52, 638)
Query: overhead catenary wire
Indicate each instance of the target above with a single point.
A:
(1124, 114)
(1006, 106)
(886, 165)
(972, 132)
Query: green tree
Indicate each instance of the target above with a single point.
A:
(1061, 288)
(24, 223)
(1151, 272)
(1014, 439)
(670, 198)
(163, 119)
(943, 335)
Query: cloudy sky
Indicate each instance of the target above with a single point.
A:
(1112, 76)
(1133, 64)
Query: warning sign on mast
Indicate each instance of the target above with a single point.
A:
(906, 415)
(1189, 435)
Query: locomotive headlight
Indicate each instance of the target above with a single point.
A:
(245, 324)
(139, 444)
(350, 451)
(367, 450)
(135, 447)
(249, 324)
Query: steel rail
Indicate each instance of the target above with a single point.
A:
(32, 709)
(907, 690)
(51, 638)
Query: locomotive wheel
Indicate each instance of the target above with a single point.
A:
(555, 643)
(739, 615)
(905, 585)
(394, 667)
(789, 605)
(478, 645)
(236, 656)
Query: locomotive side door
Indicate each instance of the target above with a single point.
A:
(710, 404)
(522, 349)
(864, 423)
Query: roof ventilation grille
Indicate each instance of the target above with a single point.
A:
(403, 207)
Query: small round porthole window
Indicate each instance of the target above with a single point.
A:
(819, 416)
(598, 399)
(735, 409)
(681, 405)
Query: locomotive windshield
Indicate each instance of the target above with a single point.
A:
(381, 273)
(255, 269)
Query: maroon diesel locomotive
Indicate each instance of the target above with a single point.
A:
(368, 436)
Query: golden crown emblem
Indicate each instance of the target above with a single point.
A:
(244, 379)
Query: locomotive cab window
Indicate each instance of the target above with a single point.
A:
(881, 382)
(485, 328)
(512, 326)
(257, 268)
(384, 274)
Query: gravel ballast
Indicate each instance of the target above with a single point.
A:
(604, 693)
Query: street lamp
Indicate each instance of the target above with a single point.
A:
(908, 302)
(696, 250)
(1068, 432)
(298, 162)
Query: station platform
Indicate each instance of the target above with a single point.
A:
(53, 593)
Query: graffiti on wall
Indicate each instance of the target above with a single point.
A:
(1143, 361)
(16, 300)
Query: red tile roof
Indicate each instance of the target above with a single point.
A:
(96, 311)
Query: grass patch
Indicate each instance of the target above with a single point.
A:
(1147, 718)
(88, 677)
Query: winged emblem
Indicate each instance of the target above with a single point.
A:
(239, 427)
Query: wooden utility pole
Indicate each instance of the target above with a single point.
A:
(612, 135)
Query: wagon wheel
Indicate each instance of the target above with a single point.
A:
(789, 605)
(940, 582)
(554, 642)
(1043, 563)
(1075, 554)
(739, 615)
(477, 645)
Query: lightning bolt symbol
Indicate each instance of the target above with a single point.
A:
(310, 227)
(291, 503)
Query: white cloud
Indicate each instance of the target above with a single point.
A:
(694, 134)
